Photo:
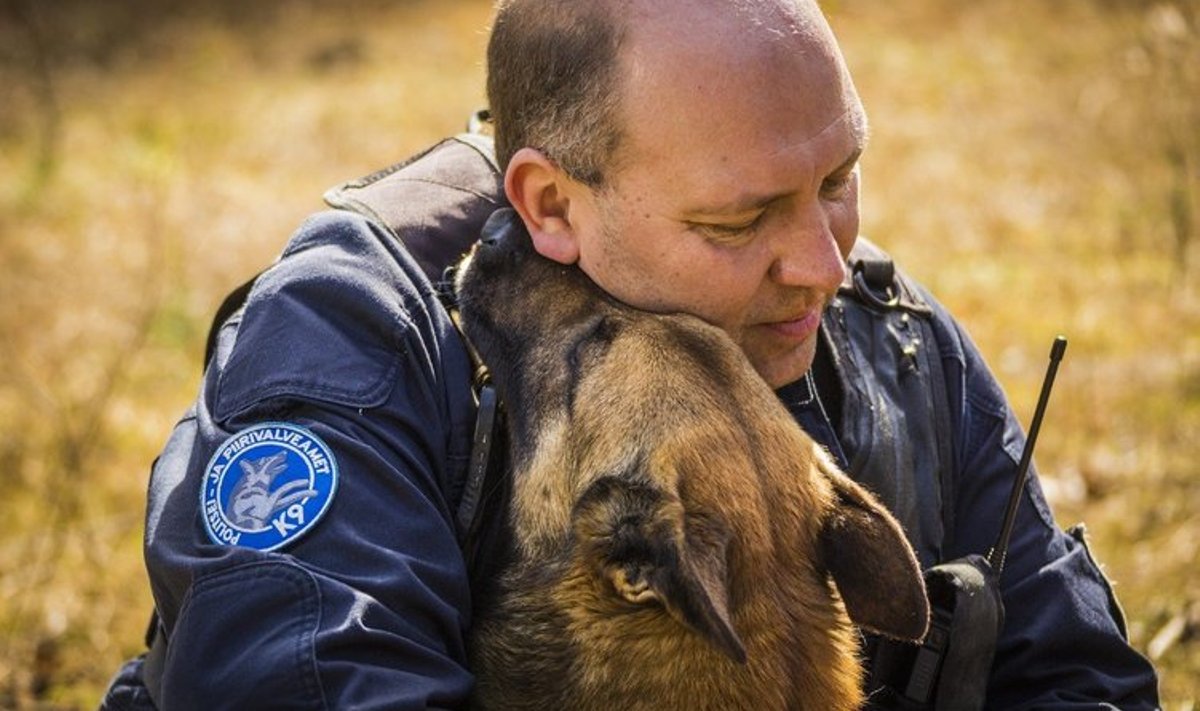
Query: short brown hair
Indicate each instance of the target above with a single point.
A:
(552, 83)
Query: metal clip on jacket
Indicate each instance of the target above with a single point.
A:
(875, 282)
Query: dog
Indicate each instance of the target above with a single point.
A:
(673, 538)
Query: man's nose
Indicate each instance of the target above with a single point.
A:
(807, 254)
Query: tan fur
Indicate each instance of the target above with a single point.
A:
(666, 405)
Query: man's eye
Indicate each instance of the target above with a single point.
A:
(835, 186)
(726, 233)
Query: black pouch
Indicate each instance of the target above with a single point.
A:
(950, 668)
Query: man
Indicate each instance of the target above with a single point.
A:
(302, 539)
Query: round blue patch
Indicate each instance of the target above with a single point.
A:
(266, 486)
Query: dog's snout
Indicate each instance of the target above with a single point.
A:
(498, 225)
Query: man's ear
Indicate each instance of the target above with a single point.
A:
(634, 536)
(868, 556)
(540, 193)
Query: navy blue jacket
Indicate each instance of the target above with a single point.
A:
(345, 352)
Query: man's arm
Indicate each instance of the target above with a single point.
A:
(1063, 644)
(368, 606)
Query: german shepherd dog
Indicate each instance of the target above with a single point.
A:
(673, 537)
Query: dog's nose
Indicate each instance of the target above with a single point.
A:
(498, 224)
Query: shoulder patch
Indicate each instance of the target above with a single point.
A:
(266, 486)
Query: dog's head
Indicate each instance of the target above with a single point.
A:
(654, 513)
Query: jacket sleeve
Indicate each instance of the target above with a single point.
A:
(1063, 644)
(367, 607)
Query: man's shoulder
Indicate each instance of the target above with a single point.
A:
(337, 259)
(332, 320)
(355, 287)
(433, 203)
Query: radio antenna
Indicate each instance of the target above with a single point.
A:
(999, 552)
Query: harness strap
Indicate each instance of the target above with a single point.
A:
(468, 516)
(155, 661)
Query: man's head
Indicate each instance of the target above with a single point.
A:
(690, 155)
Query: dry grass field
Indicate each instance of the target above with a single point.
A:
(1037, 164)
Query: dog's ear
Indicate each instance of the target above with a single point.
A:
(636, 538)
(866, 553)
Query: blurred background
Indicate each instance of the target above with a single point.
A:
(1037, 164)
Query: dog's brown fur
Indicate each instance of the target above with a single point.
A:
(674, 532)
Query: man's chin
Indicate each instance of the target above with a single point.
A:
(781, 369)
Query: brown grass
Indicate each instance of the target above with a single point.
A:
(1037, 164)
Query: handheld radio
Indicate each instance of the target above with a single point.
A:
(950, 668)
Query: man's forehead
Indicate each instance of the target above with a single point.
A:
(708, 51)
(781, 18)
(860, 126)
(727, 35)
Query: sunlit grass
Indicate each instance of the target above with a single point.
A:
(1025, 164)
